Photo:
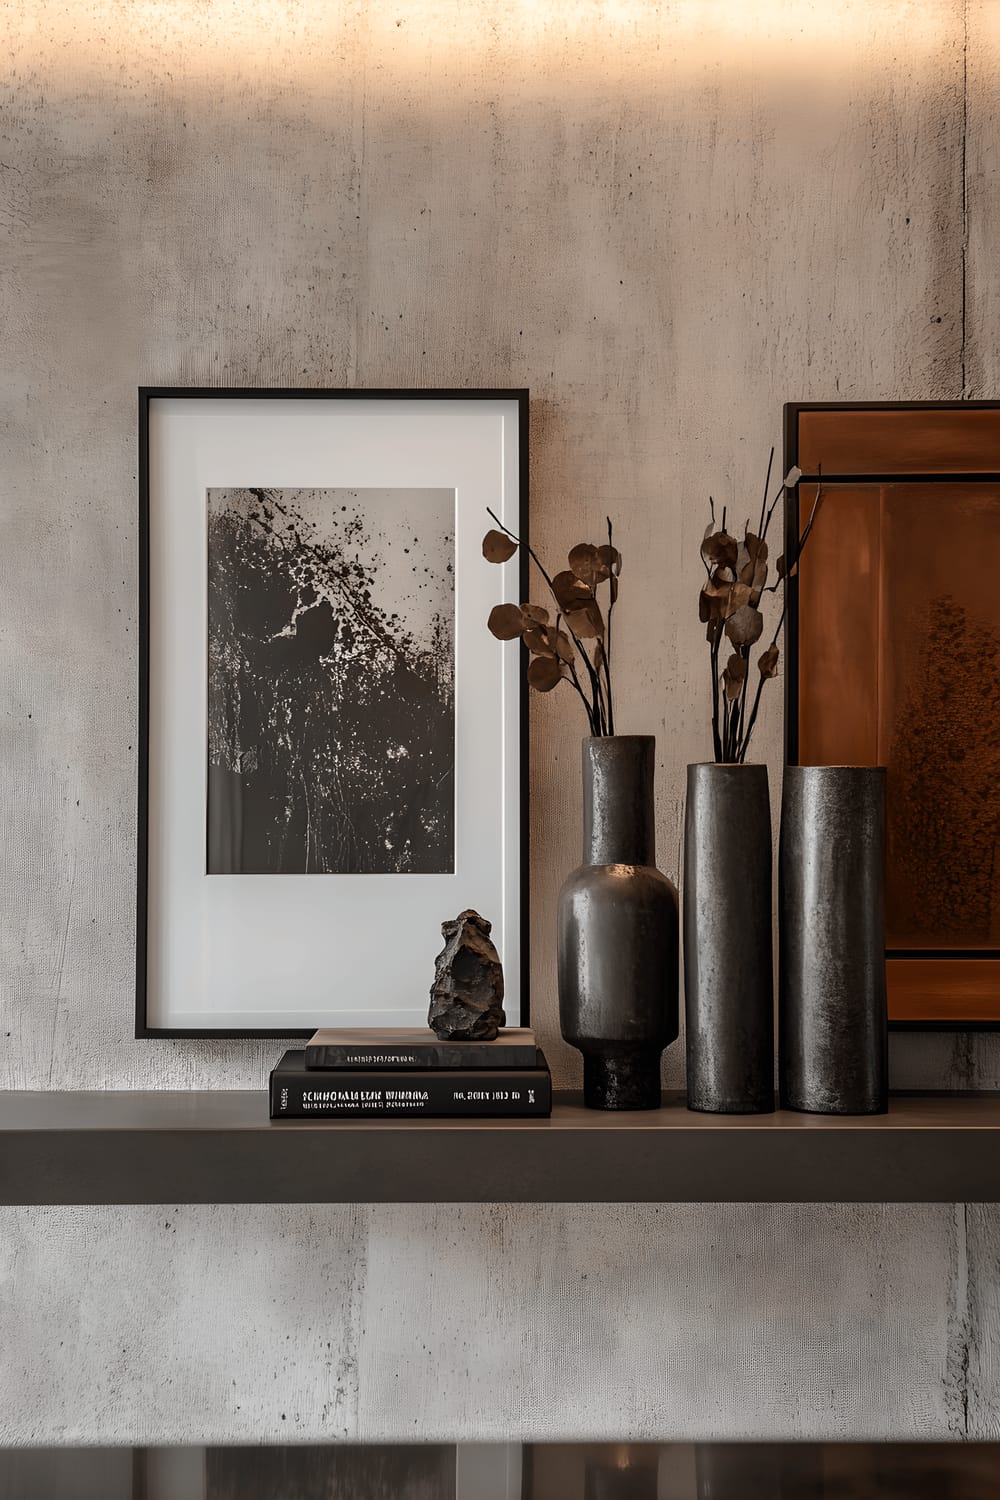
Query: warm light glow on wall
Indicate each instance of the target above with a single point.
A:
(322, 44)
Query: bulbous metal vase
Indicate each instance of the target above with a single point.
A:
(618, 932)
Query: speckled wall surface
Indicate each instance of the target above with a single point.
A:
(665, 220)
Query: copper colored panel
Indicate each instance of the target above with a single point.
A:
(899, 664)
(944, 989)
(900, 441)
(838, 628)
(939, 714)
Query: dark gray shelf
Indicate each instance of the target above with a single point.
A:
(159, 1147)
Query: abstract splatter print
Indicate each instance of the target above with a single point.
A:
(331, 682)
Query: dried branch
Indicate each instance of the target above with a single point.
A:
(574, 593)
(736, 581)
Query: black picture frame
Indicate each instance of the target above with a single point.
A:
(147, 395)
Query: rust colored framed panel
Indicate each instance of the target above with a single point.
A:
(939, 438)
(893, 658)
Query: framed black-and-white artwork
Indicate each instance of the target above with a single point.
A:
(332, 744)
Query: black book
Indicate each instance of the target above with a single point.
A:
(298, 1092)
(418, 1047)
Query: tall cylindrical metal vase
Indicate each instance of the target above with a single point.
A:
(833, 1028)
(728, 954)
(618, 932)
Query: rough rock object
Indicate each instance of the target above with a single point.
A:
(467, 993)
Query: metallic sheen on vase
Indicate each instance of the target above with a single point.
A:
(833, 1027)
(618, 932)
(728, 952)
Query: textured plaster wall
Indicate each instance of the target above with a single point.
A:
(665, 220)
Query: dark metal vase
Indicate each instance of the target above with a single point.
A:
(833, 1028)
(617, 932)
(728, 952)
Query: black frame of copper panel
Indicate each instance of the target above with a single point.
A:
(791, 412)
(148, 394)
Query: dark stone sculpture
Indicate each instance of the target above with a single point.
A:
(467, 993)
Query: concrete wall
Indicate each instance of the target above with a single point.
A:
(664, 220)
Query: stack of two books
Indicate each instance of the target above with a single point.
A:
(400, 1074)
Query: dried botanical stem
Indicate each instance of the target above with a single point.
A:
(766, 515)
(781, 618)
(737, 717)
(601, 706)
(731, 728)
(756, 705)
(607, 644)
(713, 655)
(716, 689)
(592, 711)
(574, 680)
(604, 708)
(743, 697)
(763, 504)
(607, 687)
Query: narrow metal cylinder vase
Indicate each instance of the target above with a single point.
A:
(833, 1028)
(728, 952)
(618, 932)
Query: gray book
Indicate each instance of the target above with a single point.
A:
(417, 1047)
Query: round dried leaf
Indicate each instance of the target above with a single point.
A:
(585, 620)
(734, 675)
(739, 595)
(612, 560)
(718, 588)
(767, 661)
(537, 642)
(745, 626)
(506, 622)
(498, 548)
(569, 590)
(586, 564)
(564, 646)
(537, 613)
(544, 673)
(720, 548)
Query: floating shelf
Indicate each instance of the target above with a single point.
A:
(220, 1147)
